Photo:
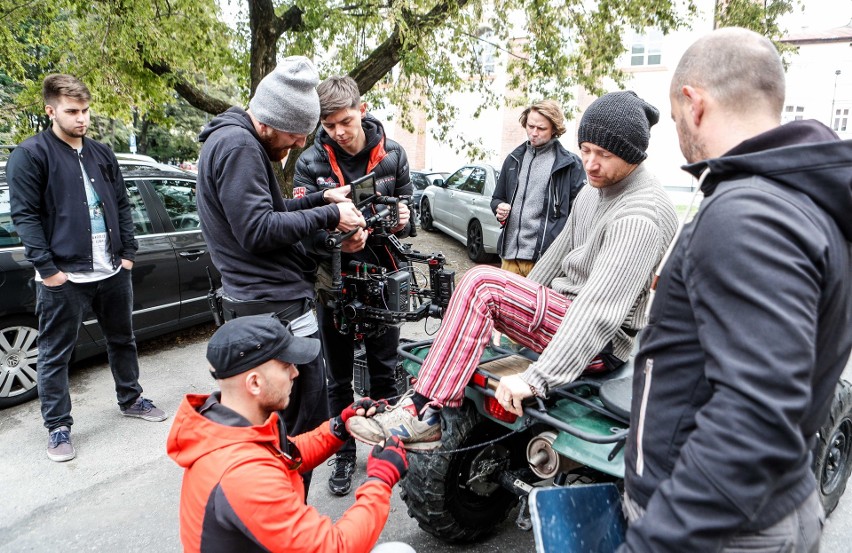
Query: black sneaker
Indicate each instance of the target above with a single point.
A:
(340, 481)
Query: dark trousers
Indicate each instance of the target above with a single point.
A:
(308, 407)
(798, 532)
(340, 358)
(60, 311)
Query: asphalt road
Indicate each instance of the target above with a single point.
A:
(121, 493)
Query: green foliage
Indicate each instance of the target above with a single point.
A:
(111, 46)
(413, 54)
(760, 17)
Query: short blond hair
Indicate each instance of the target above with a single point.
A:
(550, 110)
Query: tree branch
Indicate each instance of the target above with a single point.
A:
(196, 97)
(388, 53)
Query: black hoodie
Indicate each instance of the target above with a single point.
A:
(254, 233)
(749, 332)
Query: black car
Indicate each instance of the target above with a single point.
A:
(170, 280)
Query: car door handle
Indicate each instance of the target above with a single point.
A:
(193, 255)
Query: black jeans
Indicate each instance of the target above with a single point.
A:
(340, 358)
(60, 311)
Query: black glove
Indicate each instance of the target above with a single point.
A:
(338, 423)
(388, 463)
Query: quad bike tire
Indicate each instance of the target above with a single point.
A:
(438, 491)
(833, 452)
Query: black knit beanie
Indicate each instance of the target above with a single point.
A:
(619, 122)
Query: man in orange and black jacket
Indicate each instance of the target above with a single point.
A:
(351, 144)
(242, 489)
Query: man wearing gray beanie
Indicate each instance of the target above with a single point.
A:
(254, 234)
(583, 303)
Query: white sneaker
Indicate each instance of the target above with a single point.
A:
(400, 420)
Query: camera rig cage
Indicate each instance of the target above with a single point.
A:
(368, 298)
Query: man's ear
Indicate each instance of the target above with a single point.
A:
(253, 382)
(696, 103)
(363, 109)
(50, 111)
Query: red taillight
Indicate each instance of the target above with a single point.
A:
(480, 380)
(495, 410)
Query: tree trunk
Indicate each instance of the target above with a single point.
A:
(142, 146)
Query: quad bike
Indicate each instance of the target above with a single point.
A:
(491, 460)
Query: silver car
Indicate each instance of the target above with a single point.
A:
(461, 207)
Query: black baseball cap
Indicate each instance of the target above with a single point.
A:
(244, 343)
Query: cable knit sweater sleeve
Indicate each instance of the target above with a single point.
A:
(607, 275)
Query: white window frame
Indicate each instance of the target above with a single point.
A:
(646, 49)
(792, 112)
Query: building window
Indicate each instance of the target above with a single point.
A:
(793, 113)
(486, 51)
(646, 49)
(841, 119)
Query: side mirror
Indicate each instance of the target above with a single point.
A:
(438, 182)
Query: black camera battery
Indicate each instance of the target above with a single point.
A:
(397, 287)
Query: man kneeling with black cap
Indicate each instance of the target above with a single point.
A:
(241, 486)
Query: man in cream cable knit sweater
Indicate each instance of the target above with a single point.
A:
(581, 306)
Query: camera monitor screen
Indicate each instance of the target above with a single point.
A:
(363, 190)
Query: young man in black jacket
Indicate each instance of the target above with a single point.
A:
(70, 208)
(536, 188)
(349, 145)
(254, 234)
(750, 329)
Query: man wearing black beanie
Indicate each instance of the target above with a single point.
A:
(585, 300)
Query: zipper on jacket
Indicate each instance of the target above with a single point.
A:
(640, 424)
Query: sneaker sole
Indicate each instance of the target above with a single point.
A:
(148, 418)
(61, 458)
(338, 492)
(416, 446)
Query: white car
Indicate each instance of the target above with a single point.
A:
(461, 207)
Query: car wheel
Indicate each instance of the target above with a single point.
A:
(476, 245)
(18, 355)
(833, 451)
(426, 215)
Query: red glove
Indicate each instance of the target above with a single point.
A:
(338, 423)
(388, 463)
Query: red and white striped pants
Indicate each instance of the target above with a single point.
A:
(488, 298)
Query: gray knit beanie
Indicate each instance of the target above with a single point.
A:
(619, 122)
(286, 99)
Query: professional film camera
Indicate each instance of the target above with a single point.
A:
(368, 298)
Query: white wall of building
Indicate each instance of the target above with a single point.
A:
(810, 84)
